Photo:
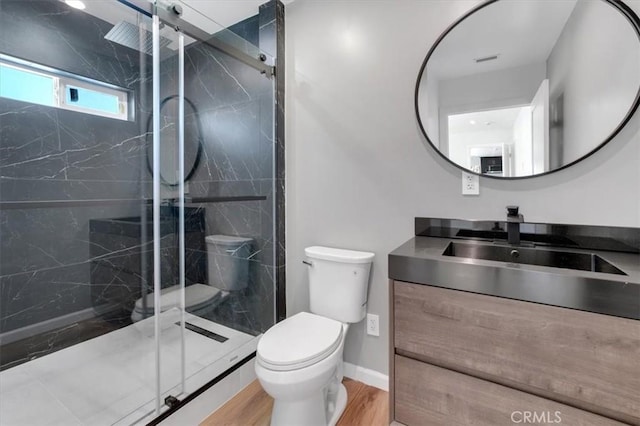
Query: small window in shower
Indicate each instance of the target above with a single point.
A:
(27, 86)
(95, 100)
(28, 82)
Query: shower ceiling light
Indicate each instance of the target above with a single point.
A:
(76, 3)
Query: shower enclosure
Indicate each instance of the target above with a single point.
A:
(141, 198)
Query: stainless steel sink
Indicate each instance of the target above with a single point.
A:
(532, 256)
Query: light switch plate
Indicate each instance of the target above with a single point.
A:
(470, 184)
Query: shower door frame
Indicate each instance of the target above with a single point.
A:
(173, 19)
(166, 16)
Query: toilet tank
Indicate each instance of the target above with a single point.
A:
(338, 282)
(228, 261)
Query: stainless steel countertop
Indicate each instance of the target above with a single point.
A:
(420, 260)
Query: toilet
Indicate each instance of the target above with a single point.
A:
(227, 271)
(299, 360)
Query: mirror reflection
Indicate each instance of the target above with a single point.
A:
(169, 166)
(523, 87)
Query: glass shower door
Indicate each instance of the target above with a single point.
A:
(217, 181)
(76, 255)
(136, 208)
(167, 166)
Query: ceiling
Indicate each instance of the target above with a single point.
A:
(483, 121)
(520, 32)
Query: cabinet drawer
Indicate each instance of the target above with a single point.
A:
(427, 395)
(587, 360)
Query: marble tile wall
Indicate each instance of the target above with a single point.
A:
(235, 106)
(46, 267)
(53, 154)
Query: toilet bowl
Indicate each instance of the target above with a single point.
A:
(227, 272)
(299, 360)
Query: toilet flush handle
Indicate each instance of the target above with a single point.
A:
(306, 262)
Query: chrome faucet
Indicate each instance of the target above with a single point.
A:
(514, 219)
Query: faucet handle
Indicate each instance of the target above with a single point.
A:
(512, 210)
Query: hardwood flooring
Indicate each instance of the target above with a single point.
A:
(366, 406)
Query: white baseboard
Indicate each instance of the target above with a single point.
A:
(366, 376)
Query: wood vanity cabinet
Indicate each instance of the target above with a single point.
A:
(461, 358)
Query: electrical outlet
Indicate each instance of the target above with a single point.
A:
(373, 325)
(470, 184)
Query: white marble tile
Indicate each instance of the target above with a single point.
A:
(64, 422)
(122, 408)
(64, 359)
(223, 350)
(14, 377)
(113, 377)
(90, 387)
(32, 404)
(142, 416)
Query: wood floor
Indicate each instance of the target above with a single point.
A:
(366, 406)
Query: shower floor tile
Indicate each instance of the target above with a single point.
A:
(105, 379)
(47, 411)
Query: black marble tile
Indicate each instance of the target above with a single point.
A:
(52, 262)
(279, 157)
(30, 142)
(24, 189)
(216, 79)
(281, 298)
(101, 148)
(51, 33)
(53, 154)
(247, 29)
(264, 302)
(267, 237)
(35, 239)
(267, 31)
(36, 296)
(232, 144)
(224, 188)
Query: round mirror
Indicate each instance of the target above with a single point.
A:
(519, 88)
(169, 172)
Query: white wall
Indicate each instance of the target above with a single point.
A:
(461, 142)
(429, 107)
(595, 46)
(522, 144)
(358, 170)
(490, 90)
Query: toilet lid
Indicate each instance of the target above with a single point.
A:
(299, 341)
(194, 295)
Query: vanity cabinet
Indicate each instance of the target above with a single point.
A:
(465, 358)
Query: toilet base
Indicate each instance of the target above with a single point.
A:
(341, 404)
(309, 412)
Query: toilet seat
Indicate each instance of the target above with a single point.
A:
(196, 296)
(299, 341)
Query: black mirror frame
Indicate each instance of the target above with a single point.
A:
(196, 161)
(625, 10)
